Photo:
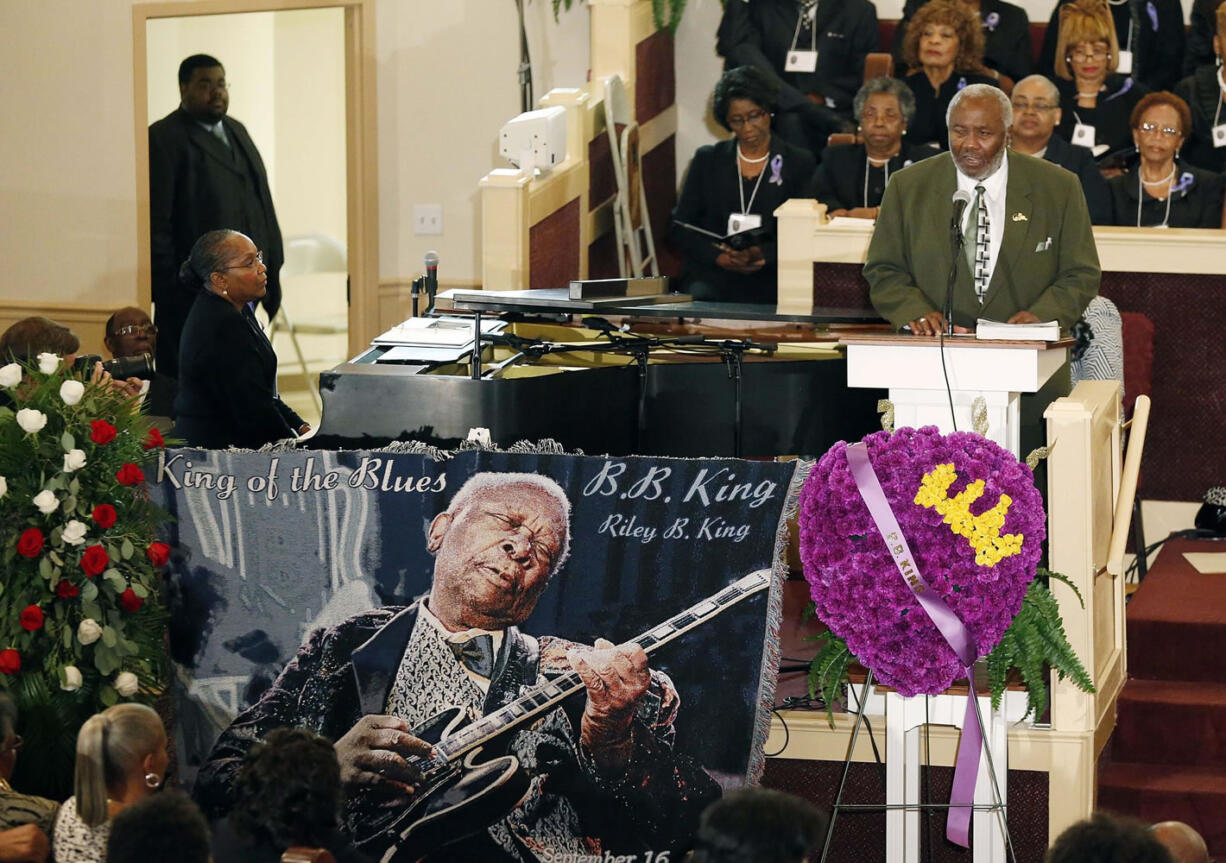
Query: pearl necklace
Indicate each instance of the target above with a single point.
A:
(1165, 179)
(741, 155)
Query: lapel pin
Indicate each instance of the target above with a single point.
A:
(1020, 217)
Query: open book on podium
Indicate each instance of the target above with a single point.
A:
(1039, 331)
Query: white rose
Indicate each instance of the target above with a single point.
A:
(74, 532)
(72, 679)
(71, 391)
(46, 501)
(31, 420)
(74, 459)
(10, 375)
(88, 631)
(4, 486)
(126, 683)
(48, 363)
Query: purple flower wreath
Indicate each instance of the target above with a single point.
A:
(978, 551)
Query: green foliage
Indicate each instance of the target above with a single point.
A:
(667, 13)
(1034, 642)
(52, 579)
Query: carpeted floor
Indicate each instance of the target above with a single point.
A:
(1167, 757)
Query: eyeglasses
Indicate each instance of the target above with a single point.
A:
(1167, 131)
(253, 262)
(205, 86)
(1041, 107)
(1095, 54)
(886, 116)
(752, 117)
(137, 330)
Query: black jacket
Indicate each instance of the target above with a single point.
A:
(1109, 116)
(1006, 37)
(1197, 204)
(228, 380)
(759, 33)
(1081, 162)
(198, 184)
(928, 124)
(1203, 95)
(840, 177)
(1202, 27)
(1157, 40)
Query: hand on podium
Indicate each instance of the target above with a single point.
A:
(933, 324)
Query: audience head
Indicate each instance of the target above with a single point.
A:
(165, 826)
(1160, 122)
(10, 740)
(883, 107)
(759, 825)
(1183, 843)
(1103, 838)
(1036, 111)
(288, 791)
(942, 34)
(121, 753)
(744, 101)
(1087, 48)
(202, 88)
(29, 337)
(979, 118)
(130, 333)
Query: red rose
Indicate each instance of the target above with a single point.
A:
(10, 661)
(31, 618)
(104, 515)
(30, 543)
(154, 439)
(158, 553)
(129, 601)
(94, 560)
(65, 589)
(129, 474)
(102, 432)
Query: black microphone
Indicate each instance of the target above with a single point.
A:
(961, 198)
(431, 262)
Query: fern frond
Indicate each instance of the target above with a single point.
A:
(828, 673)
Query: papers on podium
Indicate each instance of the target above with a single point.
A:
(1042, 331)
(443, 339)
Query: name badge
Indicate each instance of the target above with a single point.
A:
(1125, 67)
(740, 222)
(1083, 135)
(1219, 135)
(801, 61)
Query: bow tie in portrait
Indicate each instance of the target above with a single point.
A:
(477, 654)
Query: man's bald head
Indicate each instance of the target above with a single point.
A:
(1184, 843)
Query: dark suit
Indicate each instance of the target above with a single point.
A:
(909, 255)
(1081, 162)
(928, 124)
(348, 671)
(1204, 97)
(1157, 40)
(1109, 116)
(840, 181)
(1006, 37)
(198, 184)
(228, 380)
(1196, 202)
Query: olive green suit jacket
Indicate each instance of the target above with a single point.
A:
(1048, 263)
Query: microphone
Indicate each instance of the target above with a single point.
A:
(960, 200)
(431, 262)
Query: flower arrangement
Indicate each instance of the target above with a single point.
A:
(975, 524)
(81, 626)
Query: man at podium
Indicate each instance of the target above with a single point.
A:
(1027, 254)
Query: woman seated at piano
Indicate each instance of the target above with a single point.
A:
(852, 177)
(724, 222)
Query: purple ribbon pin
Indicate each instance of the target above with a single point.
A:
(1153, 14)
(991, 21)
(1185, 182)
(777, 170)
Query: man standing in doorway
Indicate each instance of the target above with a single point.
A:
(204, 173)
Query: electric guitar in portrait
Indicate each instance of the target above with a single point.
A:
(461, 792)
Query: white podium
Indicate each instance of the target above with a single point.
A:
(911, 368)
(914, 371)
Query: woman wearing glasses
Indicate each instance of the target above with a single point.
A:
(227, 367)
(724, 221)
(1164, 191)
(1095, 100)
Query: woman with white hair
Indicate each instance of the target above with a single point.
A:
(121, 759)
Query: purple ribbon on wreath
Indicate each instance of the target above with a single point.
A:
(952, 629)
(777, 170)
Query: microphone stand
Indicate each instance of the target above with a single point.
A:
(956, 242)
(525, 63)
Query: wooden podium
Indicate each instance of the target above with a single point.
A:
(915, 369)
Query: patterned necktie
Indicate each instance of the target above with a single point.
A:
(978, 235)
(477, 654)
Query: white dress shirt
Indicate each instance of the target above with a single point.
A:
(994, 188)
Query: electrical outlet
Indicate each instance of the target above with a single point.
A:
(427, 218)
